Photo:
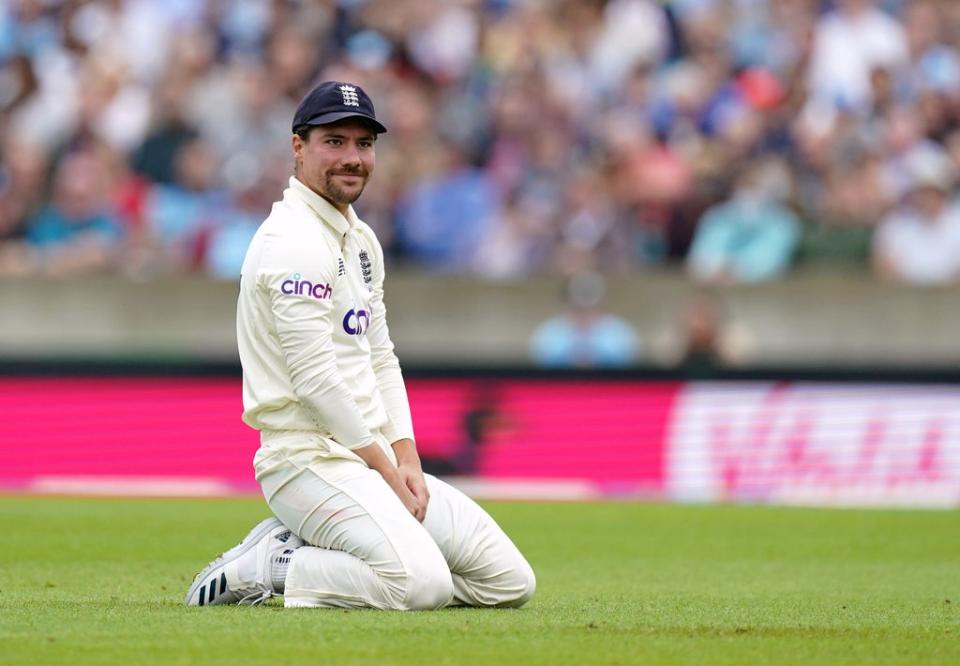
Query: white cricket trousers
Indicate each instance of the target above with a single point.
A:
(366, 550)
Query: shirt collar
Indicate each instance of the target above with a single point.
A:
(323, 208)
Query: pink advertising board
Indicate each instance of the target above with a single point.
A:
(794, 443)
(815, 444)
(172, 435)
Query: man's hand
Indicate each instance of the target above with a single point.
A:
(408, 465)
(410, 501)
(406, 480)
(413, 480)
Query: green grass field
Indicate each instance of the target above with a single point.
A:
(102, 581)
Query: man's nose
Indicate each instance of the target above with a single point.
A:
(350, 155)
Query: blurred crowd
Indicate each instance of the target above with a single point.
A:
(742, 139)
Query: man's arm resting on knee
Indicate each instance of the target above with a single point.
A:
(377, 460)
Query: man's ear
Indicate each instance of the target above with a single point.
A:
(297, 143)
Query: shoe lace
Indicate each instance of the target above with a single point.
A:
(256, 592)
(256, 596)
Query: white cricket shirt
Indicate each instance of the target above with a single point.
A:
(311, 327)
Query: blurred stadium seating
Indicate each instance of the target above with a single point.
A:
(147, 138)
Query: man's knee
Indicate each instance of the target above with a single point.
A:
(510, 589)
(428, 589)
(529, 587)
(521, 588)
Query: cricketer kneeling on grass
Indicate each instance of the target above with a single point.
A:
(357, 522)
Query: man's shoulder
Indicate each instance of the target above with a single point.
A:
(288, 232)
(293, 223)
(285, 212)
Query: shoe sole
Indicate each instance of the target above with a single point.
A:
(262, 529)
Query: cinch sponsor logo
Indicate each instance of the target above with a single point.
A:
(356, 322)
(295, 285)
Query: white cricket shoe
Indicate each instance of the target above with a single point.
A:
(243, 574)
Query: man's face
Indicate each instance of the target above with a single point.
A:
(337, 160)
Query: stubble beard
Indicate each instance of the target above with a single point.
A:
(338, 195)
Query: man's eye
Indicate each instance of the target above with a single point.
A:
(366, 144)
(334, 142)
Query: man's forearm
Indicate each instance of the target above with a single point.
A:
(377, 460)
(406, 452)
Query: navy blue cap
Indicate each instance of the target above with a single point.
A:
(331, 101)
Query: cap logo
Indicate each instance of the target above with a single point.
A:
(350, 97)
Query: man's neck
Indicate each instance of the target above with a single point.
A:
(343, 208)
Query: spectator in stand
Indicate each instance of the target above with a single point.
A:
(521, 242)
(850, 42)
(584, 336)
(751, 237)
(180, 215)
(293, 57)
(22, 185)
(934, 66)
(24, 175)
(593, 232)
(412, 152)
(706, 339)
(258, 128)
(77, 232)
(857, 195)
(154, 158)
(919, 242)
(442, 220)
(226, 244)
(14, 253)
(632, 33)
